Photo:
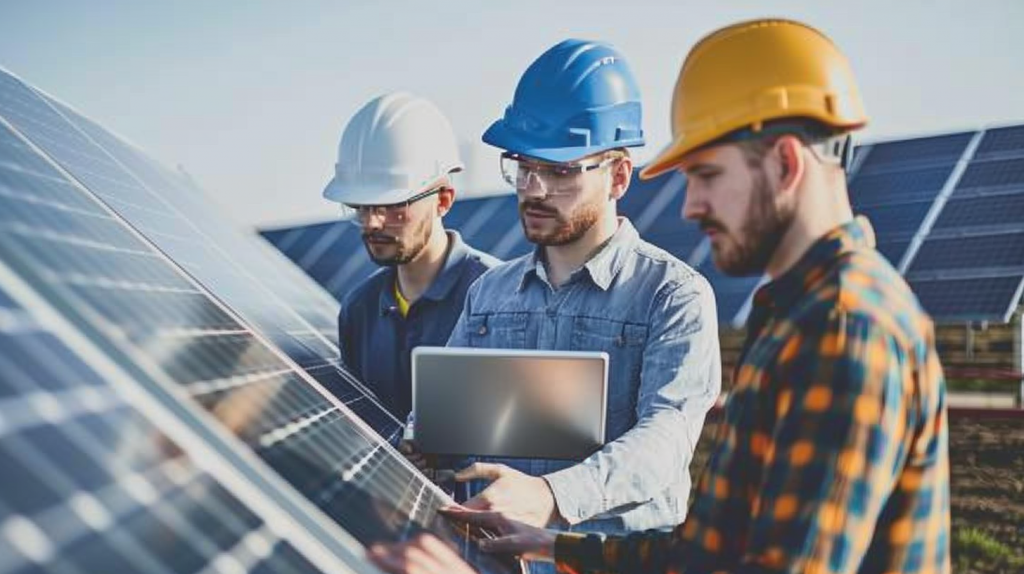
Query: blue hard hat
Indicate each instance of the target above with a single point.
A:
(576, 99)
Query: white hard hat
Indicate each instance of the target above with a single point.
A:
(396, 147)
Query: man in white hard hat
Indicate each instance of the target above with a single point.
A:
(393, 179)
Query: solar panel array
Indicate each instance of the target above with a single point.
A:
(163, 323)
(947, 210)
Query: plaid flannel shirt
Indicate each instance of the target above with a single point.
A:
(832, 455)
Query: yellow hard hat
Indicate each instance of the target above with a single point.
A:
(749, 73)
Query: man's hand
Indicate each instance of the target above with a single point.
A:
(423, 554)
(427, 554)
(516, 538)
(512, 494)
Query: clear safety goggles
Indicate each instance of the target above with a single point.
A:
(392, 215)
(550, 179)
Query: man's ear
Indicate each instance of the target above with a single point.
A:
(789, 153)
(622, 175)
(445, 199)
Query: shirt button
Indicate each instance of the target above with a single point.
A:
(482, 330)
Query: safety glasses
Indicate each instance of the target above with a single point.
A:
(548, 179)
(391, 215)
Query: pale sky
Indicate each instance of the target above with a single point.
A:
(251, 97)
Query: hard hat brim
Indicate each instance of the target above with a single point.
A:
(503, 138)
(665, 161)
(350, 194)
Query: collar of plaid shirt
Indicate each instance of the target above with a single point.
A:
(777, 297)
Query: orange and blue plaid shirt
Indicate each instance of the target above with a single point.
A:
(832, 455)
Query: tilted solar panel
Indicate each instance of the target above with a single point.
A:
(91, 484)
(248, 275)
(191, 350)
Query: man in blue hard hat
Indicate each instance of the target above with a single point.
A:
(592, 284)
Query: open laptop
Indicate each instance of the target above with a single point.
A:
(509, 402)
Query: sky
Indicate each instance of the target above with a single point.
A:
(250, 98)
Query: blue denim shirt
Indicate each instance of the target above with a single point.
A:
(656, 318)
(376, 341)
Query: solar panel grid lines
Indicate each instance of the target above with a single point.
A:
(91, 483)
(915, 152)
(981, 211)
(899, 185)
(274, 318)
(280, 417)
(993, 175)
(1002, 142)
(963, 253)
(940, 201)
(186, 211)
(115, 339)
(967, 299)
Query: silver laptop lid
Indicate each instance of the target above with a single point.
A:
(509, 402)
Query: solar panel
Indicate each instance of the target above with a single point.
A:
(1003, 141)
(1000, 174)
(503, 221)
(917, 184)
(184, 345)
(91, 484)
(893, 250)
(918, 151)
(987, 211)
(247, 274)
(990, 298)
(897, 221)
(966, 253)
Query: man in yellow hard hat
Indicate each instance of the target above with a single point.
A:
(832, 455)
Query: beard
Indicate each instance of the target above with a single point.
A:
(567, 229)
(399, 251)
(749, 251)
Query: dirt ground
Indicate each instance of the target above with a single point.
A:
(987, 486)
(987, 468)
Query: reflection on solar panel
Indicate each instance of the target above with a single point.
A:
(97, 230)
(91, 484)
(912, 191)
(259, 284)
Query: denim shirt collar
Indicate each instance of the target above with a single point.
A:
(601, 268)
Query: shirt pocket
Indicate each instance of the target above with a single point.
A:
(498, 330)
(624, 342)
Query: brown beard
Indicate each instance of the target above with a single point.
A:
(763, 227)
(568, 230)
(404, 252)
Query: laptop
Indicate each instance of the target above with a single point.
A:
(509, 402)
